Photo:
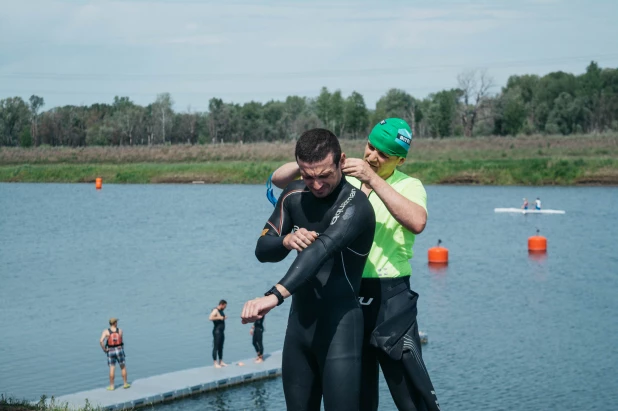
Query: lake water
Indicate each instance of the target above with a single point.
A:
(506, 331)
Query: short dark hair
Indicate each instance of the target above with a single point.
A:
(316, 144)
(222, 302)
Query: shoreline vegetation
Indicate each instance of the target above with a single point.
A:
(522, 160)
(44, 404)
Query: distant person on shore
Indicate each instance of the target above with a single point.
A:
(218, 317)
(525, 205)
(111, 343)
(256, 332)
(537, 203)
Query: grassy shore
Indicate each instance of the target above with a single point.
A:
(532, 160)
(11, 404)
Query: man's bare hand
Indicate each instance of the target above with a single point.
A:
(360, 169)
(299, 239)
(258, 308)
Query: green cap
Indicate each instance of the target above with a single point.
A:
(392, 137)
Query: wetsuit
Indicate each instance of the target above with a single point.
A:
(258, 329)
(324, 337)
(389, 309)
(218, 337)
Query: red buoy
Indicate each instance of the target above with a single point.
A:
(537, 242)
(98, 183)
(437, 254)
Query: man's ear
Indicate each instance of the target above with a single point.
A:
(342, 160)
(401, 161)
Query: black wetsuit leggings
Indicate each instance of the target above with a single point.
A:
(217, 345)
(407, 378)
(257, 341)
(322, 358)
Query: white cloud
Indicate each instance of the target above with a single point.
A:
(199, 40)
(260, 41)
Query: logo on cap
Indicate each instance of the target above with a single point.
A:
(404, 137)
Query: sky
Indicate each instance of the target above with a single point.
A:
(85, 52)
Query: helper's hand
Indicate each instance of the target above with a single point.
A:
(258, 308)
(360, 169)
(299, 239)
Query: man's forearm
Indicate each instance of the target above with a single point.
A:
(285, 174)
(270, 249)
(305, 266)
(410, 215)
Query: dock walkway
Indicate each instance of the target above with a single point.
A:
(174, 385)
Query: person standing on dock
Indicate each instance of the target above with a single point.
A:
(389, 305)
(111, 342)
(218, 317)
(322, 349)
(256, 331)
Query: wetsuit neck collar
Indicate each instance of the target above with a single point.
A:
(335, 193)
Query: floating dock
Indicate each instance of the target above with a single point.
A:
(174, 385)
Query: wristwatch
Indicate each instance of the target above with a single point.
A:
(276, 293)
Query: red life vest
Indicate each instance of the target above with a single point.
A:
(114, 339)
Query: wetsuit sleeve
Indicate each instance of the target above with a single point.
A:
(270, 247)
(355, 219)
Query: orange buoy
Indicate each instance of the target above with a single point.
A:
(537, 242)
(437, 254)
(98, 183)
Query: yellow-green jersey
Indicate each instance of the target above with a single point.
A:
(392, 244)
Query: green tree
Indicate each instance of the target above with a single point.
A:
(567, 115)
(337, 113)
(356, 115)
(474, 86)
(442, 113)
(36, 103)
(14, 117)
(322, 106)
(162, 117)
(509, 113)
(252, 127)
(297, 115)
(395, 103)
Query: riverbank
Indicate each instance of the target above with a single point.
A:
(531, 160)
(11, 404)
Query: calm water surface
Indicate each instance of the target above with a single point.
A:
(506, 331)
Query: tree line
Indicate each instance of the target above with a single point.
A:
(556, 103)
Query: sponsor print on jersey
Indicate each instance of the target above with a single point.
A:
(349, 213)
(342, 207)
(365, 301)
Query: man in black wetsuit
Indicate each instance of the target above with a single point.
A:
(217, 316)
(256, 331)
(324, 337)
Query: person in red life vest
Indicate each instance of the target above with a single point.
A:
(111, 343)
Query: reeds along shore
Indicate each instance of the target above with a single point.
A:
(525, 160)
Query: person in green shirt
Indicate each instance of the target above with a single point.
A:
(388, 303)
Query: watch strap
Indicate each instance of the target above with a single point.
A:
(276, 293)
